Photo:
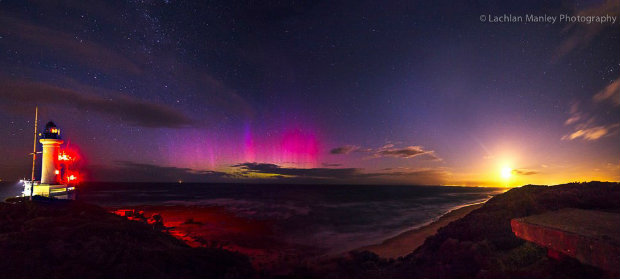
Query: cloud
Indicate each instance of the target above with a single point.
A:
(266, 168)
(524, 172)
(389, 150)
(592, 133)
(575, 114)
(407, 152)
(54, 41)
(572, 119)
(140, 172)
(132, 110)
(425, 176)
(580, 35)
(344, 149)
(40, 40)
(611, 93)
(591, 120)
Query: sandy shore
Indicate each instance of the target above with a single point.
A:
(214, 226)
(406, 242)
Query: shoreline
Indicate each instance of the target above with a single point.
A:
(196, 224)
(406, 242)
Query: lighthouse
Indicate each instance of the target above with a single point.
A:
(58, 179)
(51, 141)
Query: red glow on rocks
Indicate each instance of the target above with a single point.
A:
(216, 227)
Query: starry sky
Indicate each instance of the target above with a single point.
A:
(393, 92)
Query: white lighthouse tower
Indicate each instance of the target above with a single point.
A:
(52, 184)
(50, 171)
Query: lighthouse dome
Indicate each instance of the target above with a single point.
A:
(51, 131)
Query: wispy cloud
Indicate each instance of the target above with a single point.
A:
(592, 133)
(52, 42)
(267, 168)
(574, 118)
(45, 38)
(132, 110)
(389, 150)
(344, 149)
(580, 35)
(610, 93)
(408, 152)
(524, 172)
(416, 176)
(590, 120)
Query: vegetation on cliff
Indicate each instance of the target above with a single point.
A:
(482, 244)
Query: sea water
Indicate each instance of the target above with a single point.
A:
(335, 217)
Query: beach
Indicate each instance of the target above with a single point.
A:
(211, 226)
(406, 242)
(201, 226)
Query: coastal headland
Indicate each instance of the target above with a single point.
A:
(74, 239)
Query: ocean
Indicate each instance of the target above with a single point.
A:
(337, 218)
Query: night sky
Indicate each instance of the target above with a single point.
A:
(403, 92)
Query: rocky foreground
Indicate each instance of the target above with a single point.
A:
(78, 240)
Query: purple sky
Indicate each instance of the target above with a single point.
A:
(328, 92)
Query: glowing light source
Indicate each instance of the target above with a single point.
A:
(506, 172)
(71, 177)
(57, 172)
(63, 156)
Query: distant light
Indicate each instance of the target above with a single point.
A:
(506, 172)
(57, 171)
(72, 177)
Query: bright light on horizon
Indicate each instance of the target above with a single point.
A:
(506, 172)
